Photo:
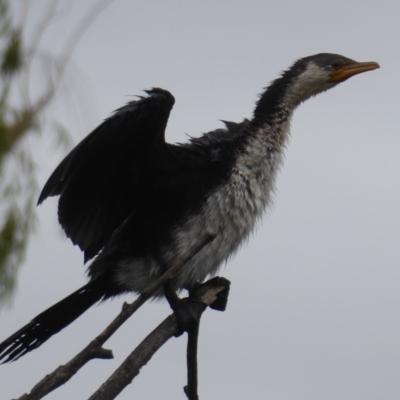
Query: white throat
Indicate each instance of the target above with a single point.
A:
(309, 83)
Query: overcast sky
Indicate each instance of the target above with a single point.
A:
(314, 306)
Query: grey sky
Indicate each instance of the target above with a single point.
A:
(314, 306)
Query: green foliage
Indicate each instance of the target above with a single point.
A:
(21, 114)
(11, 60)
(19, 118)
(12, 245)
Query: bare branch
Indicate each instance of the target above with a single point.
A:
(191, 360)
(131, 367)
(94, 349)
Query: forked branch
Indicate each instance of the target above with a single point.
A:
(94, 349)
(139, 357)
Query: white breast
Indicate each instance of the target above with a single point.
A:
(231, 212)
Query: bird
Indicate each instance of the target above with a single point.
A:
(134, 203)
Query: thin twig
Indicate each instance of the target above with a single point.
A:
(94, 350)
(139, 357)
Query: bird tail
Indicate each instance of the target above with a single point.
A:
(52, 320)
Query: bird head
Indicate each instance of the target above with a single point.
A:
(314, 74)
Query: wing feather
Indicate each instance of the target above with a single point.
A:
(96, 180)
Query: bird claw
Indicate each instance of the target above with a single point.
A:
(188, 312)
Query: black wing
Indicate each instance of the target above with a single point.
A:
(96, 180)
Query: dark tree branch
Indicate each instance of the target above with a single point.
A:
(191, 359)
(193, 333)
(131, 367)
(94, 349)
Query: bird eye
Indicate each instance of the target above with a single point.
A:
(335, 65)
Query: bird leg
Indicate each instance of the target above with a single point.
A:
(188, 310)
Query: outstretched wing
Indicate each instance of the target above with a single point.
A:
(96, 181)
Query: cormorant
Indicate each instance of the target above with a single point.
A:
(136, 203)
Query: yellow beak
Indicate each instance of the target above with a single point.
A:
(352, 69)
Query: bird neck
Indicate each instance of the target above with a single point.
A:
(273, 112)
(278, 102)
(286, 93)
